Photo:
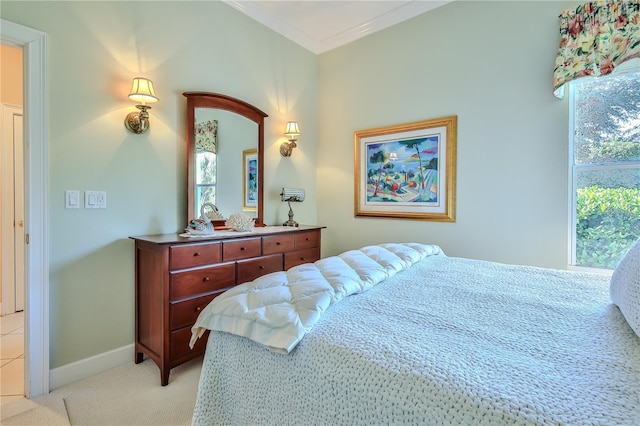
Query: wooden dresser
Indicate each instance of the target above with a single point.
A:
(177, 277)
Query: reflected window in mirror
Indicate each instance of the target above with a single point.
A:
(206, 179)
(206, 134)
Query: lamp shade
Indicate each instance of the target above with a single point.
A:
(292, 129)
(142, 91)
(293, 194)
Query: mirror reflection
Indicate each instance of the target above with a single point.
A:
(224, 155)
(223, 141)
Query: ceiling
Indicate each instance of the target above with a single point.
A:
(322, 25)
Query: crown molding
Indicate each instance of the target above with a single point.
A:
(403, 12)
(274, 22)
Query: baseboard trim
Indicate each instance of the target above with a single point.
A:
(88, 367)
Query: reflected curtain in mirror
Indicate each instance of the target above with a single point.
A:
(206, 133)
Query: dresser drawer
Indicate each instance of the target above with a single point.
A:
(180, 350)
(307, 240)
(277, 244)
(190, 255)
(299, 257)
(248, 270)
(241, 249)
(203, 280)
(185, 312)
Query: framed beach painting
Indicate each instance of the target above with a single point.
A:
(249, 179)
(407, 171)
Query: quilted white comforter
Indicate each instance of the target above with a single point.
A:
(445, 341)
(278, 309)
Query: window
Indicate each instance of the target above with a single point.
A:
(605, 168)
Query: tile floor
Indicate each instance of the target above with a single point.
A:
(12, 357)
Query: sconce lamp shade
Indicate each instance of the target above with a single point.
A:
(292, 130)
(142, 91)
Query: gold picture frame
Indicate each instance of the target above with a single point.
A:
(407, 171)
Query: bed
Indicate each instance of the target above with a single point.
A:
(402, 333)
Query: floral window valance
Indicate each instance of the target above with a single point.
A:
(206, 136)
(596, 38)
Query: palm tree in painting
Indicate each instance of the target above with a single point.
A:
(415, 143)
(378, 157)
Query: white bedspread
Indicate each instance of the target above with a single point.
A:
(446, 341)
(278, 309)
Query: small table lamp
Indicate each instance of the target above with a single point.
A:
(289, 195)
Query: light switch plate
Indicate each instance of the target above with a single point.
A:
(95, 200)
(71, 199)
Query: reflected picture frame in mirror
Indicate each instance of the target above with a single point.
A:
(250, 180)
(196, 100)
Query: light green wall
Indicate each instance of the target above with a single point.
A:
(489, 63)
(95, 49)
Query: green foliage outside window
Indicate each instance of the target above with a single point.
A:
(607, 224)
(614, 151)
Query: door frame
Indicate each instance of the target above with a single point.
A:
(9, 240)
(36, 191)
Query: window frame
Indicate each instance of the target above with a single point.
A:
(574, 169)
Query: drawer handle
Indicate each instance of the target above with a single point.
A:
(196, 254)
(261, 267)
(241, 248)
(278, 243)
(206, 279)
(307, 239)
(302, 258)
(198, 308)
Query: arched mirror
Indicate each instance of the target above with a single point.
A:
(225, 156)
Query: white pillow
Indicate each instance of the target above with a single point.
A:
(625, 287)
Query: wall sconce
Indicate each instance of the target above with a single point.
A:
(141, 91)
(289, 195)
(291, 131)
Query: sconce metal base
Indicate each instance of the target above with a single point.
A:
(287, 148)
(138, 122)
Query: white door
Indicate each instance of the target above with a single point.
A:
(18, 206)
(13, 235)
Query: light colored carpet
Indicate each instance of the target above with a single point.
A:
(47, 411)
(127, 395)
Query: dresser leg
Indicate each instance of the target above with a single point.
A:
(164, 376)
(139, 357)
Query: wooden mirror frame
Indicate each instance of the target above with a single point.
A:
(227, 103)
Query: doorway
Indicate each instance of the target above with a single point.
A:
(12, 229)
(12, 245)
(36, 183)
(12, 178)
